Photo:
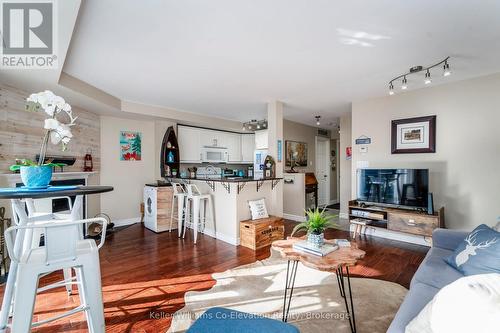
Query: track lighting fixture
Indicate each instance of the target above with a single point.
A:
(317, 120)
(255, 125)
(427, 77)
(417, 69)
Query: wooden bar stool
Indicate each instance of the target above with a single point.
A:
(63, 248)
(199, 202)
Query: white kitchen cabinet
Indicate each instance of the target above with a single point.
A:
(232, 141)
(261, 140)
(189, 139)
(211, 138)
(247, 147)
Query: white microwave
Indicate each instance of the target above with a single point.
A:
(214, 154)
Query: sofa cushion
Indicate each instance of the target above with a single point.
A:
(221, 320)
(448, 239)
(470, 304)
(479, 252)
(434, 271)
(417, 298)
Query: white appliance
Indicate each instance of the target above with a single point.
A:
(259, 156)
(150, 208)
(214, 154)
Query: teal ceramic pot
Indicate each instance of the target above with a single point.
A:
(36, 176)
(316, 240)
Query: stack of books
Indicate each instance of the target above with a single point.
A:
(342, 242)
(322, 251)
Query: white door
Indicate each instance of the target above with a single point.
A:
(323, 170)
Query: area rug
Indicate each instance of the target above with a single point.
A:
(316, 305)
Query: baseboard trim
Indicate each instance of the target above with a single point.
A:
(222, 237)
(394, 235)
(124, 222)
(297, 218)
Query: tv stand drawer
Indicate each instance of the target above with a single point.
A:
(413, 223)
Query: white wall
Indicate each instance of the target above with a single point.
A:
(344, 164)
(464, 171)
(127, 177)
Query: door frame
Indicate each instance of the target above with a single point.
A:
(327, 166)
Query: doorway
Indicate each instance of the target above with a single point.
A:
(323, 170)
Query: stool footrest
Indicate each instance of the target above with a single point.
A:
(62, 283)
(62, 315)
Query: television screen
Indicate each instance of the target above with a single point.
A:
(396, 187)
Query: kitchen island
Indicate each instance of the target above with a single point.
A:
(230, 199)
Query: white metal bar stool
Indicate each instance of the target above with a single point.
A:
(179, 197)
(197, 209)
(63, 248)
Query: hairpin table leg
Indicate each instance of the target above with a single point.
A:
(348, 305)
(291, 272)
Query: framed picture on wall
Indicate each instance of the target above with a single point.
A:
(413, 135)
(296, 153)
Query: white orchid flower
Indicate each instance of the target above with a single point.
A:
(64, 131)
(59, 102)
(33, 98)
(66, 108)
(57, 131)
(51, 124)
(55, 138)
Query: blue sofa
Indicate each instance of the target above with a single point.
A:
(432, 275)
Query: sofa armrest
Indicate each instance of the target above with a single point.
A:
(448, 239)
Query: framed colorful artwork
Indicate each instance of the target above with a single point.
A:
(130, 146)
(413, 135)
(296, 153)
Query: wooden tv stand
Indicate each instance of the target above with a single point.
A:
(397, 219)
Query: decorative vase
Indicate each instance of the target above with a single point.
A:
(36, 176)
(316, 240)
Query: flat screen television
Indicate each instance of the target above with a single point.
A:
(406, 188)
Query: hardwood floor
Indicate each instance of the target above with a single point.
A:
(145, 276)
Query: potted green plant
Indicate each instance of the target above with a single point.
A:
(316, 223)
(58, 131)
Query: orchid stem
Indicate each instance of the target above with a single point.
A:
(43, 149)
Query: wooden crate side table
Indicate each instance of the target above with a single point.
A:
(256, 234)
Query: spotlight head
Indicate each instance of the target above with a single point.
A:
(404, 84)
(427, 77)
(317, 120)
(446, 69)
(391, 89)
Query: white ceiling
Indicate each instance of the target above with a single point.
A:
(228, 58)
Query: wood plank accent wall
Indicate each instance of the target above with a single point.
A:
(21, 132)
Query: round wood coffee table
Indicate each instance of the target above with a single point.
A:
(336, 262)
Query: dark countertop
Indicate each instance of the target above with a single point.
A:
(79, 190)
(159, 184)
(225, 180)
